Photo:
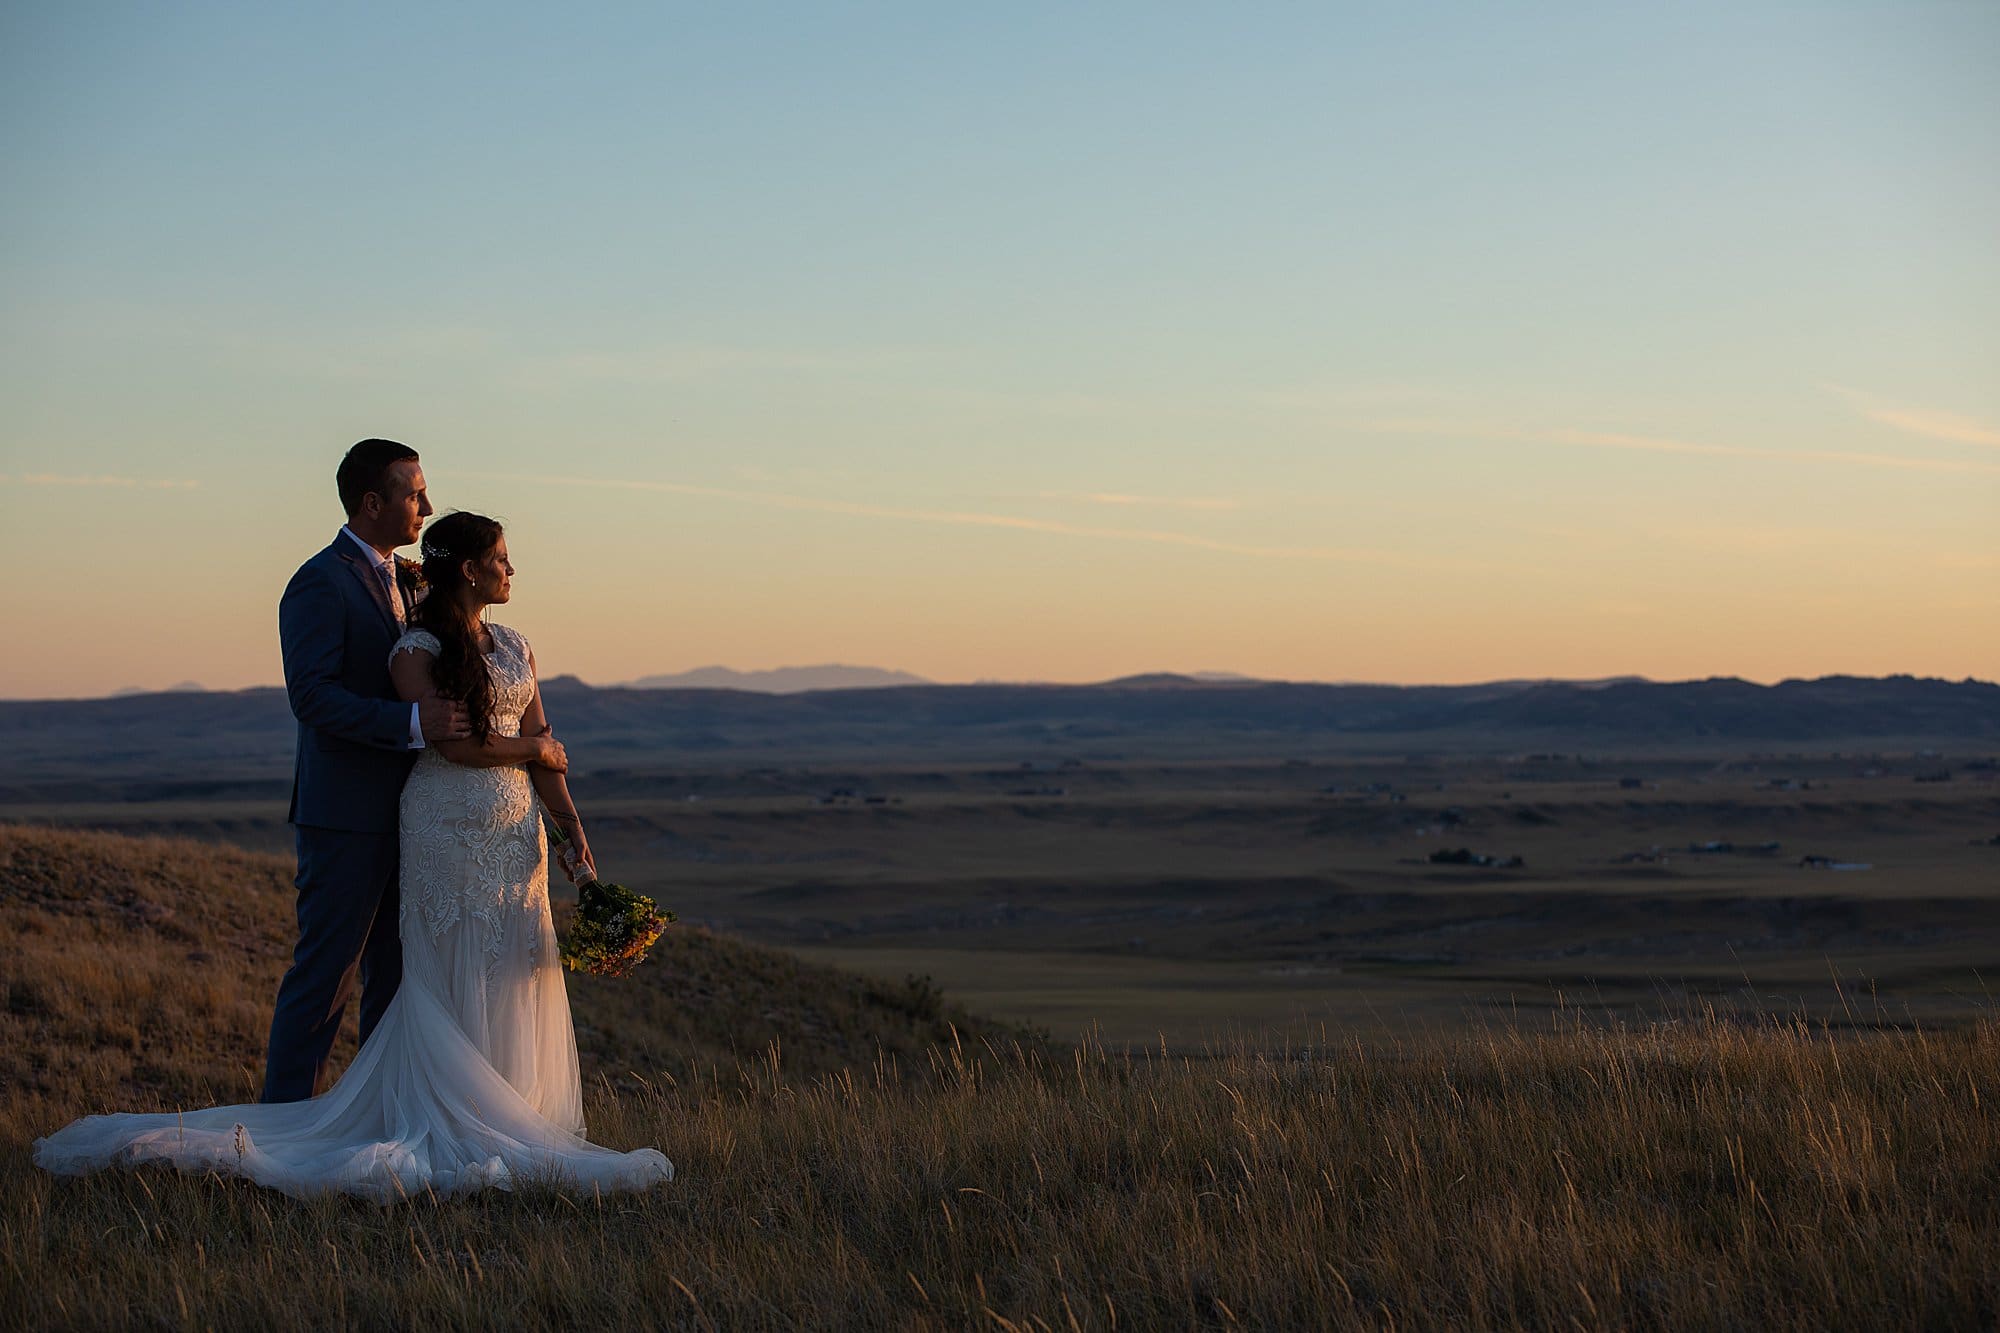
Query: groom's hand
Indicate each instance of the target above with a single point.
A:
(442, 719)
(550, 753)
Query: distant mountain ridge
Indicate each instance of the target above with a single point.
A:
(1167, 680)
(180, 687)
(779, 680)
(164, 744)
(836, 676)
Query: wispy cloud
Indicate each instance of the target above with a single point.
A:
(1765, 540)
(683, 362)
(1138, 501)
(1604, 440)
(127, 483)
(1585, 439)
(1928, 422)
(1939, 426)
(1011, 522)
(1347, 397)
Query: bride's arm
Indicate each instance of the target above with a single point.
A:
(553, 788)
(411, 673)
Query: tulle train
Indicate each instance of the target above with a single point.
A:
(419, 1110)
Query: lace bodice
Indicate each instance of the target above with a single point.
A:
(513, 676)
(473, 849)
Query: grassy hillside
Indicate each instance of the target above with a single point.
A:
(1706, 1174)
(138, 973)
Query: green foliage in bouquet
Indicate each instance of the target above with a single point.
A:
(613, 926)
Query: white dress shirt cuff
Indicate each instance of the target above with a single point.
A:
(416, 729)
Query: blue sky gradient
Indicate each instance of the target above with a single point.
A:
(1430, 342)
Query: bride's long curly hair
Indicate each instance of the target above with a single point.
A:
(460, 671)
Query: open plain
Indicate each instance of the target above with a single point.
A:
(1312, 899)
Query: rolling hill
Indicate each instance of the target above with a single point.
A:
(137, 973)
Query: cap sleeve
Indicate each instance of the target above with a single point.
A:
(417, 640)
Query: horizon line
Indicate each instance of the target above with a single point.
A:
(1204, 678)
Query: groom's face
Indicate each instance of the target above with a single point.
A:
(405, 502)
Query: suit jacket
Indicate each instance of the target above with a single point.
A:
(337, 630)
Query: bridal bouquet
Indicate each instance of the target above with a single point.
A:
(613, 926)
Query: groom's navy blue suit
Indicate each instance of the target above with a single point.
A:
(337, 629)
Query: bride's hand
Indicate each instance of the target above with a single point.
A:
(573, 855)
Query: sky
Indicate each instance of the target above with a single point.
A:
(1404, 343)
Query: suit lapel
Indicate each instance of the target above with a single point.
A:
(345, 548)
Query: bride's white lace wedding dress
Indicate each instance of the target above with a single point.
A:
(469, 1081)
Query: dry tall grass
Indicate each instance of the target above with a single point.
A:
(137, 974)
(1704, 1175)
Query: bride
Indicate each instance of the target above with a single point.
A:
(469, 1080)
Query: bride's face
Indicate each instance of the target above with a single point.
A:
(492, 579)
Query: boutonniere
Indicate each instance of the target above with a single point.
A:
(411, 575)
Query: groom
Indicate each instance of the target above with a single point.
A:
(339, 618)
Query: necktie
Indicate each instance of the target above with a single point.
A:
(387, 569)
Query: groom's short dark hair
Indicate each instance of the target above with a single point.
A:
(365, 470)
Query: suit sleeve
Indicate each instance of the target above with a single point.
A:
(310, 619)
